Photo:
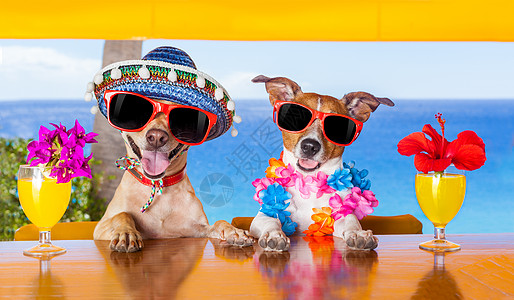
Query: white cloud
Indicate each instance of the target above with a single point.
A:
(44, 73)
(240, 86)
(59, 70)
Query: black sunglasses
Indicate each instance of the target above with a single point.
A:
(133, 112)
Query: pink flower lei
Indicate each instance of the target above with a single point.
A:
(359, 202)
(289, 177)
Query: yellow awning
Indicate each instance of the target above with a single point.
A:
(299, 20)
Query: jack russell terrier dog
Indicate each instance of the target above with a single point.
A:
(315, 130)
(161, 105)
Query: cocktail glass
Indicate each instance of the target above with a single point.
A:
(440, 196)
(44, 202)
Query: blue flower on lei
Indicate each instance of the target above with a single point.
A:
(358, 176)
(340, 180)
(273, 205)
(289, 227)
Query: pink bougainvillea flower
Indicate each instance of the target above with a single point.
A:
(63, 151)
(467, 152)
(42, 151)
(60, 134)
(78, 135)
(62, 173)
(46, 134)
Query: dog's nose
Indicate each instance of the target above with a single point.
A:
(156, 137)
(310, 147)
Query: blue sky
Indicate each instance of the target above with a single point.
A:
(60, 69)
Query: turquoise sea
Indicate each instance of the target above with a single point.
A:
(222, 170)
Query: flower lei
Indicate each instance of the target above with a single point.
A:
(271, 192)
(273, 205)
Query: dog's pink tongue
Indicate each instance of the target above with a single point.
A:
(308, 163)
(154, 163)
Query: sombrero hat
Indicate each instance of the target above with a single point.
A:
(167, 73)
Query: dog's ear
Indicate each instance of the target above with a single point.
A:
(279, 88)
(362, 104)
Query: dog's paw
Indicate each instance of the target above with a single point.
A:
(126, 241)
(239, 237)
(274, 241)
(231, 235)
(361, 240)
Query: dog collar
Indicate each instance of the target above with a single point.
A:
(157, 185)
(127, 163)
(166, 181)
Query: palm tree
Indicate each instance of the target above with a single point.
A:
(110, 145)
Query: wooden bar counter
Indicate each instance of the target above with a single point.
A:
(314, 268)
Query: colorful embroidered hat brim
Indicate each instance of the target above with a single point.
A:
(167, 73)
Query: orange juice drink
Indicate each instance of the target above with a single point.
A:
(440, 196)
(44, 201)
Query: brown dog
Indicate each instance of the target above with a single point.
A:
(310, 152)
(162, 105)
(175, 213)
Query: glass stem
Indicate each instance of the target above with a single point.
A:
(438, 260)
(44, 237)
(439, 233)
(44, 267)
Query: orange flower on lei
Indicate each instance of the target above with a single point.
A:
(323, 222)
(273, 165)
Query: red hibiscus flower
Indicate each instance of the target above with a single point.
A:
(467, 152)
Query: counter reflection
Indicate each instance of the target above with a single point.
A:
(438, 283)
(313, 268)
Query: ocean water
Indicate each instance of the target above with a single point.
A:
(222, 170)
